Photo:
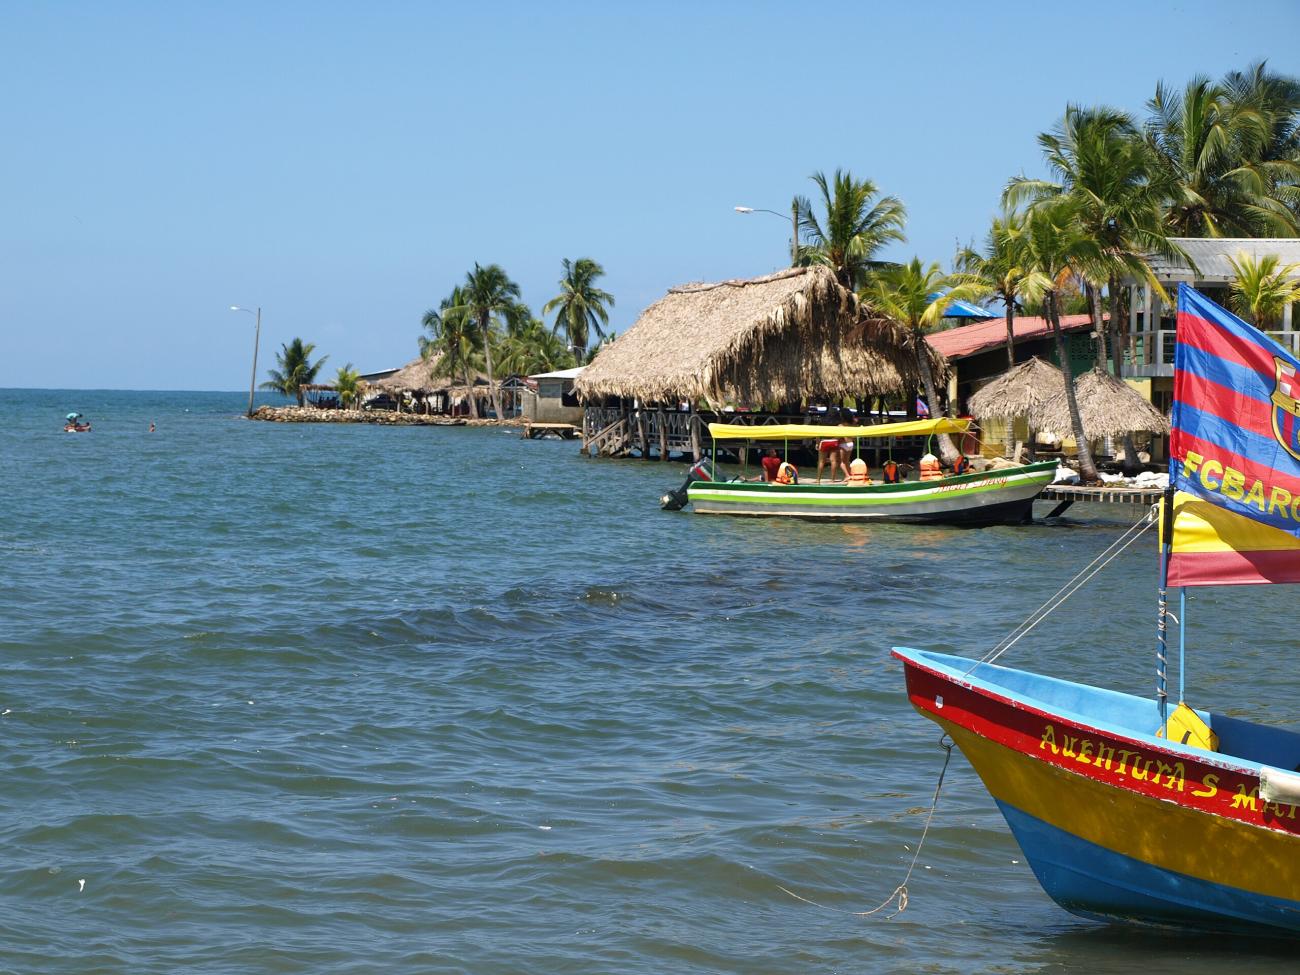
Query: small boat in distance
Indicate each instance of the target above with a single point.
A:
(1003, 496)
(76, 424)
(1124, 808)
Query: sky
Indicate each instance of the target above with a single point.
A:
(342, 165)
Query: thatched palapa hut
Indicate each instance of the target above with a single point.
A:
(1016, 396)
(1108, 407)
(785, 337)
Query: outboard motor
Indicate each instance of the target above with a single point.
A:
(701, 470)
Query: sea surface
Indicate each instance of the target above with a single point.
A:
(346, 699)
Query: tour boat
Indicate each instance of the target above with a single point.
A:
(1124, 808)
(1000, 496)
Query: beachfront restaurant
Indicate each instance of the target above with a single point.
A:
(758, 351)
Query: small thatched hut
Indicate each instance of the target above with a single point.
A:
(1108, 407)
(785, 337)
(1018, 392)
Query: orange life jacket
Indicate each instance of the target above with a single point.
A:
(858, 472)
(890, 472)
(961, 465)
(930, 470)
(787, 473)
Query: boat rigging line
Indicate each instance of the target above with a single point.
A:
(1081, 578)
(899, 894)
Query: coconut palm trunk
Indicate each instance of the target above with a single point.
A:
(947, 451)
(1087, 468)
(1011, 333)
(487, 360)
(1116, 332)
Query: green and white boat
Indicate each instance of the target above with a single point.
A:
(1003, 496)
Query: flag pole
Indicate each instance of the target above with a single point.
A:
(1162, 611)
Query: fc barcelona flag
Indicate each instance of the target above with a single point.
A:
(1236, 416)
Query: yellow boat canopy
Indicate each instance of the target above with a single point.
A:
(809, 431)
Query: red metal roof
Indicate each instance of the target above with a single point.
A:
(969, 340)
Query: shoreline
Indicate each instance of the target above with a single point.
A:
(310, 414)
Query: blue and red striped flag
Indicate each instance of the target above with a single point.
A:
(1236, 415)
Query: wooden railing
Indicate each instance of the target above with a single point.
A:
(1151, 353)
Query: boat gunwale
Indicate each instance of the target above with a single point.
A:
(1242, 766)
(959, 480)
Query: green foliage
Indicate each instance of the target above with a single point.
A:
(1261, 289)
(348, 384)
(582, 308)
(858, 222)
(531, 347)
(295, 369)
(1229, 152)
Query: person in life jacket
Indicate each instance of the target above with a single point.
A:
(858, 472)
(787, 473)
(961, 465)
(891, 472)
(930, 470)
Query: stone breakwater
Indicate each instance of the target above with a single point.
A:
(310, 414)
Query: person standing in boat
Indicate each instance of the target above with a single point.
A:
(828, 449)
(850, 418)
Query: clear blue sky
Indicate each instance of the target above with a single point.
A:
(343, 165)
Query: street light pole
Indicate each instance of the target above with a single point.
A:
(257, 340)
(794, 226)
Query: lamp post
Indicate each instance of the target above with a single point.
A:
(257, 338)
(794, 226)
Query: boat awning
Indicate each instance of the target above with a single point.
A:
(808, 431)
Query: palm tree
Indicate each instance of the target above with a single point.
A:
(1213, 146)
(451, 341)
(1056, 247)
(583, 308)
(531, 347)
(916, 297)
(296, 369)
(858, 223)
(1101, 162)
(489, 298)
(1001, 269)
(1261, 289)
(348, 383)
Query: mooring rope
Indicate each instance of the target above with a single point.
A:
(900, 892)
(1081, 578)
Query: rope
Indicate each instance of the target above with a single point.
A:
(1081, 578)
(900, 892)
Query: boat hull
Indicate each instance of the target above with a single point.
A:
(989, 497)
(1116, 823)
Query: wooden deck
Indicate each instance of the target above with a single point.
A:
(535, 431)
(1068, 494)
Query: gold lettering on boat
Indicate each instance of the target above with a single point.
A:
(1246, 800)
(1105, 754)
(1049, 740)
(1085, 749)
(1210, 785)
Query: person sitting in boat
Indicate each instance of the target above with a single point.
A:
(961, 465)
(858, 472)
(930, 470)
(787, 473)
(771, 463)
(892, 472)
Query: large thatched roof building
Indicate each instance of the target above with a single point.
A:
(784, 337)
(1108, 407)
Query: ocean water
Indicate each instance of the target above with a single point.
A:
(342, 699)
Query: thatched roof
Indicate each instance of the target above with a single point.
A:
(414, 377)
(1020, 391)
(417, 376)
(1109, 407)
(785, 336)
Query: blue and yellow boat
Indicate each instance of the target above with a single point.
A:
(1126, 808)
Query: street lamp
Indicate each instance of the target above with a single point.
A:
(794, 226)
(257, 338)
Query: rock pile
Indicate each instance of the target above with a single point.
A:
(310, 414)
